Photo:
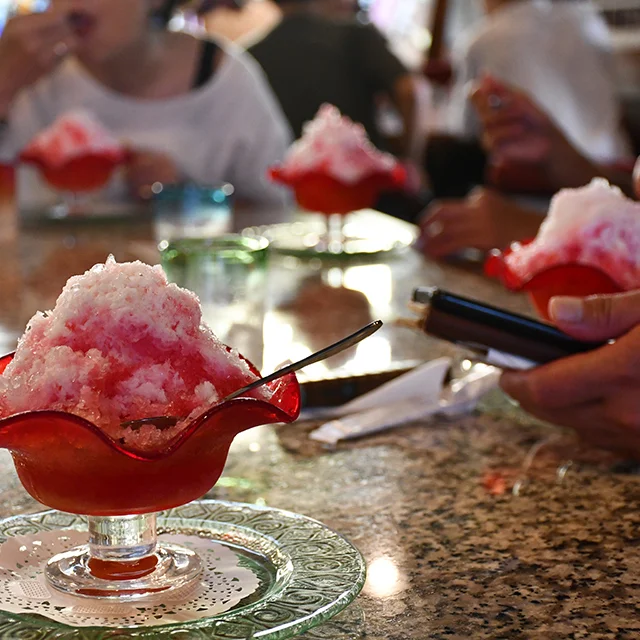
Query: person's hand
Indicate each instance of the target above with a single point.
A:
(32, 45)
(513, 126)
(145, 168)
(485, 220)
(518, 134)
(597, 393)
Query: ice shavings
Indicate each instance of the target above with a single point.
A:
(121, 344)
(334, 145)
(596, 226)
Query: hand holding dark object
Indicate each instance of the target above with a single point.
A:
(148, 167)
(485, 220)
(32, 46)
(597, 393)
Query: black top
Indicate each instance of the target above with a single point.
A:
(310, 60)
(206, 67)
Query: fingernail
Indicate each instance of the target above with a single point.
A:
(435, 229)
(566, 309)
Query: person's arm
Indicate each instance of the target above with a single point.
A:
(6, 101)
(144, 168)
(403, 95)
(518, 132)
(485, 220)
(594, 393)
(31, 46)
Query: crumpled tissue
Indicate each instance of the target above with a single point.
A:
(414, 396)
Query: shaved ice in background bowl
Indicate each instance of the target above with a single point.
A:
(334, 169)
(122, 343)
(588, 244)
(75, 155)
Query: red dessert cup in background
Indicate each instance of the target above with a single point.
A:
(83, 174)
(318, 192)
(68, 463)
(573, 279)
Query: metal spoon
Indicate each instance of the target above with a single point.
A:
(164, 422)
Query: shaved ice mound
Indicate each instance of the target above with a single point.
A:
(75, 134)
(335, 146)
(595, 226)
(122, 344)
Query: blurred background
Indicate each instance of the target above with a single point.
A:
(404, 22)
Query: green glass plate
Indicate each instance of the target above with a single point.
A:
(368, 234)
(308, 574)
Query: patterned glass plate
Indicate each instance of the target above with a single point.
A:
(367, 234)
(308, 574)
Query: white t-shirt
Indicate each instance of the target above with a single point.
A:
(229, 130)
(559, 54)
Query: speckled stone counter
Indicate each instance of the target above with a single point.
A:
(448, 559)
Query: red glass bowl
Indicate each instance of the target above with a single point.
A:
(68, 463)
(315, 191)
(85, 173)
(577, 280)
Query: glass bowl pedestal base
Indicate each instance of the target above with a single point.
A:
(123, 561)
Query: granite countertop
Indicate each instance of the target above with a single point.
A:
(450, 555)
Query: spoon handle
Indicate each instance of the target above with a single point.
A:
(165, 422)
(318, 356)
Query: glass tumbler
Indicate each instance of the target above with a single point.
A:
(229, 275)
(191, 211)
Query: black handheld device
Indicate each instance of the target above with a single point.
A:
(498, 336)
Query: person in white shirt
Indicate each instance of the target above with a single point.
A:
(189, 109)
(558, 53)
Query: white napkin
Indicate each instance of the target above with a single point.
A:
(424, 382)
(413, 396)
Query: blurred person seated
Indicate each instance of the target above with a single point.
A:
(527, 152)
(190, 109)
(311, 59)
(594, 393)
(559, 54)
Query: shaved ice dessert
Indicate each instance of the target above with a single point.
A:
(74, 134)
(334, 168)
(122, 344)
(594, 226)
(338, 147)
(76, 153)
